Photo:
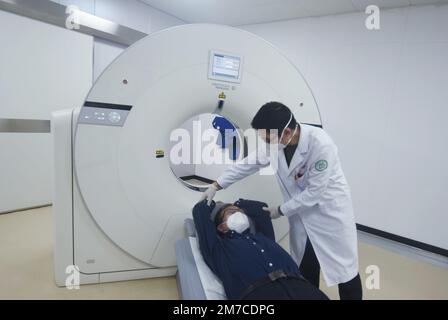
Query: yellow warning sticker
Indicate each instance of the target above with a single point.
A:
(222, 96)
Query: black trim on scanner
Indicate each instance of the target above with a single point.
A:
(205, 180)
(107, 105)
(406, 241)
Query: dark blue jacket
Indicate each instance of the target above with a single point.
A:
(240, 259)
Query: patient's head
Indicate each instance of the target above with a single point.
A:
(230, 217)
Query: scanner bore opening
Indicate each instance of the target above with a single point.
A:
(202, 148)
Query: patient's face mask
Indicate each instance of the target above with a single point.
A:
(238, 222)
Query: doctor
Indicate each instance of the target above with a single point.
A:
(317, 200)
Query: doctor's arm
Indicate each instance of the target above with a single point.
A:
(319, 176)
(242, 169)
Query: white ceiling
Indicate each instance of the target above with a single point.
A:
(240, 12)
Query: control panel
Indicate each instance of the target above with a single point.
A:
(104, 114)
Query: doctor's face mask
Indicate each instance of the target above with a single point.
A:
(274, 139)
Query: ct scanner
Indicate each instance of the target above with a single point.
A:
(118, 207)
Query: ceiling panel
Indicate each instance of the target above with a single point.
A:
(361, 5)
(325, 7)
(241, 12)
(424, 2)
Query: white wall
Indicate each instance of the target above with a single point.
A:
(211, 172)
(383, 97)
(198, 168)
(131, 13)
(43, 68)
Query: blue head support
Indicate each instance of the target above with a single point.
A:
(227, 135)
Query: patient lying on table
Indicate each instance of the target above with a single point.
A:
(238, 244)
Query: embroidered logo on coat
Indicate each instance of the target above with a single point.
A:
(321, 165)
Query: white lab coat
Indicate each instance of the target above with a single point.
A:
(318, 204)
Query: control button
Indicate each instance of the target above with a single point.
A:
(270, 264)
(114, 117)
(262, 250)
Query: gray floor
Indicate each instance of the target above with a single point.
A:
(26, 269)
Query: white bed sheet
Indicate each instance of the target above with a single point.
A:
(212, 285)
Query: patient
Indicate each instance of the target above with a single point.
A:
(238, 244)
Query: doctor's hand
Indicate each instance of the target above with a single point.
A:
(274, 212)
(209, 194)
